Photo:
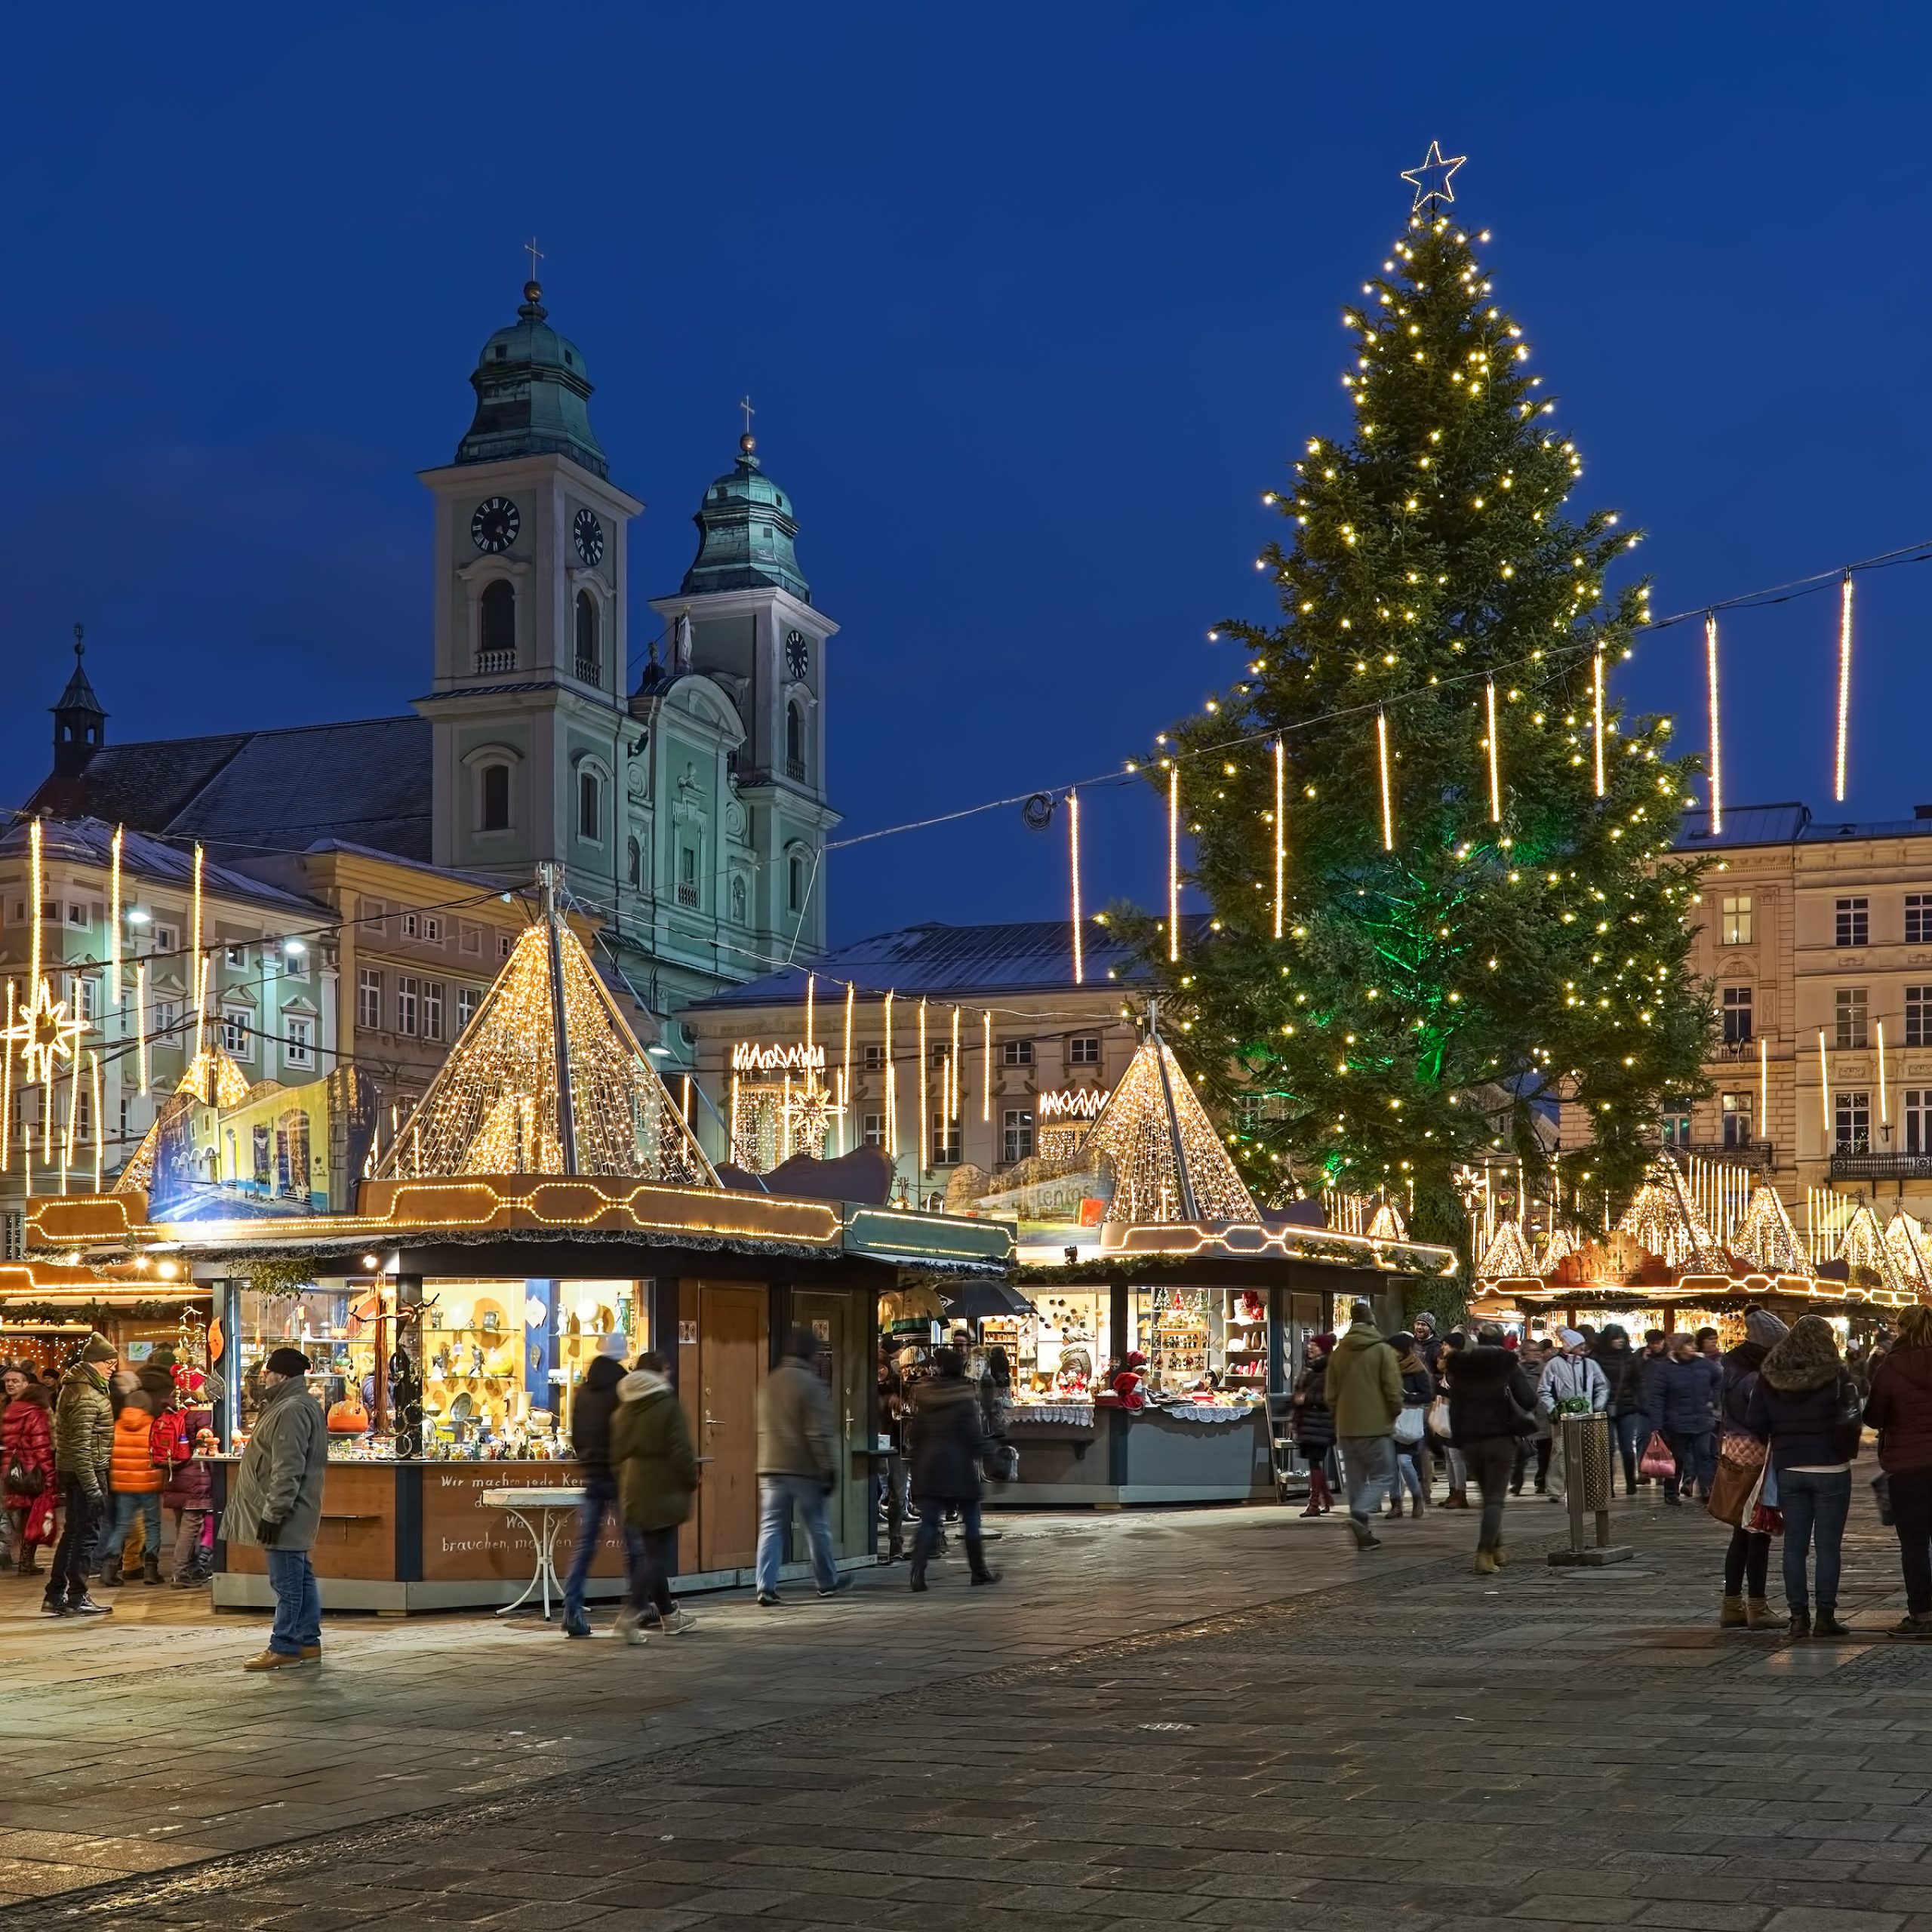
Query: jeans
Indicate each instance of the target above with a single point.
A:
(1491, 1459)
(1368, 1469)
(126, 1503)
(600, 1493)
(1631, 1432)
(925, 1539)
(1409, 1462)
(1814, 1506)
(80, 1528)
(1455, 1465)
(1696, 1457)
(1746, 1563)
(298, 1603)
(893, 1479)
(653, 1552)
(1527, 1446)
(1911, 1521)
(189, 1524)
(776, 1496)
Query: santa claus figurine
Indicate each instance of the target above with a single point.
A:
(1128, 1383)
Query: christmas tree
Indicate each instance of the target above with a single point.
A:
(1436, 856)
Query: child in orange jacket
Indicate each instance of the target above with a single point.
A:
(136, 1483)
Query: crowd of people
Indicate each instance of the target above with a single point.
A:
(90, 1461)
(1764, 1434)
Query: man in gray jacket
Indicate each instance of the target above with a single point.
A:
(277, 1503)
(797, 1464)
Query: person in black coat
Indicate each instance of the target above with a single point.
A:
(1314, 1425)
(947, 1443)
(1629, 1422)
(1492, 1405)
(591, 1408)
(1747, 1562)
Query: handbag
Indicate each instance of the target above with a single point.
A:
(24, 1479)
(1747, 1451)
(1658, 1461)
(1438, 1417)
(1734, 1491)
(1409, 1423)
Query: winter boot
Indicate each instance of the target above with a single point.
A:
(976, 1561)
(110, 1573)
(1730, 1614)
(1457, 1499)
(1394, 1507)
(1826, 1624)
(1485, 1565)
(151, 1569)
(917, 1579)
(1757, 1615)
(1799, 1627)
(30, 1560)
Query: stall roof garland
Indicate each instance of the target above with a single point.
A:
(547, 1078)
(1168, 1161)
(1662, 1217)
(1765, 1237)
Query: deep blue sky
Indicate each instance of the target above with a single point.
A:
(1034, 301)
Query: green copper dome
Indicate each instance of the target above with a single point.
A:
(746, 528)
(533, 395)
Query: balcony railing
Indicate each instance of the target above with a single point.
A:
(495, 660)
(1753, 1154)
(687, 893)
(1862, 1166)
(1734, 1049)
(795, 767)
(590, 671)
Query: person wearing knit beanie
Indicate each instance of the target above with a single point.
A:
(99, 1349)
(1764, 1328)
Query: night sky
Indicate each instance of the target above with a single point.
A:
(1034, 302)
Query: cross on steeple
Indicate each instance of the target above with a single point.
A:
(535, 253)
(80, 642)
(745, 404)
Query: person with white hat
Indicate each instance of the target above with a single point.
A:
(1572, 1385)
(593, 1408)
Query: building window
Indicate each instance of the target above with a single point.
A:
(369, 998)
(294, 959)
(1918, 1120)
(737, 902)
(236, 957)
(472, 940)
(127, 1119)
(83, 1114)
(466, 998)
(1851, 1117)
(166, 938)
(1918, 919)
(1084, 1049)
(939, 1051)
(1853, 922)
(87, 998)
(299, 1039)
(1735, 1112)
(1848, 1015)
(795, 883)
(589, 652)
(874, 1129)
(503, 945)
(1737, 1015)
(77, 915)
(168, 1018)
(1675, 1125)
(407, 991)
(1735, 925)
(238, 1032)
(875, 1057)
(590, 807)
(634, 862)
(687, 874)
(433, 930)
(1919, 1016)
(945, 1141)
(409, 925)
(1016, 1053)
(1016, 1133)
(496, 636)
(795, 739)
(432, 1010)
(492, 799)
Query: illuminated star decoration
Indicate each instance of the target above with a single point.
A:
(1431, 179)
(44, 1034)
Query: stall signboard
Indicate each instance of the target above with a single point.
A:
(748, 1056)
(1074, 1103)
(277, 1152)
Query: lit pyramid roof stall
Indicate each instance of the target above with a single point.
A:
(1869, 1259)
(1662, 1216)
(547, 1078)
(1905, 1235)
(1508, 1256)
(1765, 1237)
(210, 1079)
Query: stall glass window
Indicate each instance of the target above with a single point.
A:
(1059, 1354)
(336, 1324)
(1203, 1346)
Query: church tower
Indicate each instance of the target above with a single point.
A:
(531, 584)
(743, 619)
(80, 725)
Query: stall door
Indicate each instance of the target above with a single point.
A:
(825, 1316)
(731, 1363)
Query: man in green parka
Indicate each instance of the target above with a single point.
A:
(656, 1470)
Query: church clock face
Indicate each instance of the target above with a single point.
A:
(493, 528)
(588, 534)
(798, 654)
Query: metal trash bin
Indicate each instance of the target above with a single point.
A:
(1589, 1463)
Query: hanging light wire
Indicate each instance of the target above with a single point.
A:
(1844, 688)
(1716, 739)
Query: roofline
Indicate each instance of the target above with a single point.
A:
(254, 731)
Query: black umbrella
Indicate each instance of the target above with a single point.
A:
(977, 1300)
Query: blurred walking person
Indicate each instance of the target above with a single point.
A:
(947, 1444)
(1807, 1407)
(1315, 1423)
(1623, 1373)
(796, 1467)
(276, 1505)
(83, 1450)
(1409, 1436)
(1492, 1407)
(593, 1410)
(656, 1470)
(1900, 1408)
(136, 1484)
(183, 1433)
(1365, 1390)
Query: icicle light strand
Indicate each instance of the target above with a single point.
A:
(1884, 1104)
(197, 970)
(1845, 689)
(1174, 862)
(1596, 711)
(1824, 1088)
(1280, 834)
(1716, 737)
(114, 927)
(1388, 800)
(1495, 764)
(986, 1077)
(141, 1016)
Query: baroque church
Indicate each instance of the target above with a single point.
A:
(684, 801)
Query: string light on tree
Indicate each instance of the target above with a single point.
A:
(1388, 790)
(1495, 760)
(1281, 836)
(1596, 716)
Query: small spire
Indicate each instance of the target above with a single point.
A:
(80, 642)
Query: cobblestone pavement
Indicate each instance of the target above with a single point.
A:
(1215, 1717)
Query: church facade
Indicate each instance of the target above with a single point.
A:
(685, 799)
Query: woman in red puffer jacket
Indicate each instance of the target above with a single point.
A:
(27, 1438)
(1900, 1407)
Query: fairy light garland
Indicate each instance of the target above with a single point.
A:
(1714, 732)
(1147, 1131)
(1845, 689)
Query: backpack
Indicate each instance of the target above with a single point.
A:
(170, 1446)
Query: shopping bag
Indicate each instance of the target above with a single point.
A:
(1658, 1461)
(1408, 1428)
(1735, 1491)
(1439, 1418)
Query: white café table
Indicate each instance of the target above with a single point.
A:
(551, 1509)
